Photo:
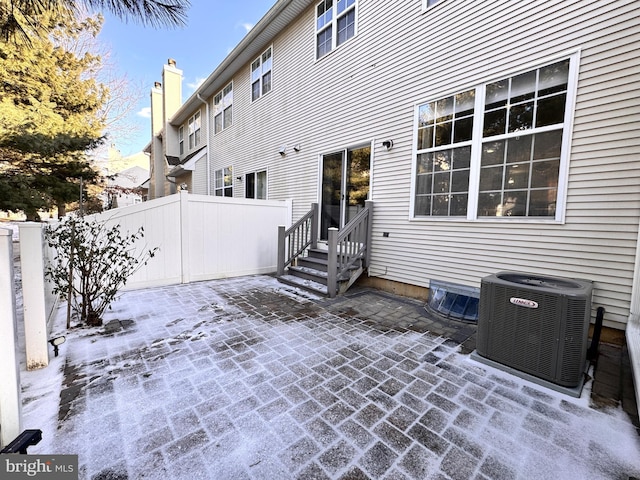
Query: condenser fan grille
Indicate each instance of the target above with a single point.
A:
(539, 328)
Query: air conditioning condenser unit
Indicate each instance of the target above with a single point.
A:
(537, 325)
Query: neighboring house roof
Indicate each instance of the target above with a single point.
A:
(187, 164)
(132, 177)
(281, 15)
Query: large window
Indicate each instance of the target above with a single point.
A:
(224, 182)
(261, 75)
(495, 150)
(256, 185)
(223, 108)
(444, 139)
(194, 131)
(335, 24)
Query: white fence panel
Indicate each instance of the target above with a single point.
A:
(201, 237)
(160, 220)
(10, 397)
(230, 237)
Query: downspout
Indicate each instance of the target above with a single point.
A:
(208, 144)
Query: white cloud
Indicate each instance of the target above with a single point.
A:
(247, 26)
(144, 112)
(196, 83)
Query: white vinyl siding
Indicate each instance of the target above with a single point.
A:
(199, 177)
(368, 93)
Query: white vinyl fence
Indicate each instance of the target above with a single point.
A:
(10, 400)
(201, 237)
(198, 237)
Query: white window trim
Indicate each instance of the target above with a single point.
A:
(181, 140)
(474, 174)
(334, 24)
(254, 173)
(219, 110)
(196, 141)
(262, 94)
(233, 183)
(344, 149)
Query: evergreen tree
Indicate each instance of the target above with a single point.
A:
(49, 117)
(20, 19)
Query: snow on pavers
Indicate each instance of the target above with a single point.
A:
(247, 379)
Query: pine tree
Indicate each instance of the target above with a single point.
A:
(49, 117)
(20, 19)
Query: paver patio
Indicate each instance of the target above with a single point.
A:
(247, 379)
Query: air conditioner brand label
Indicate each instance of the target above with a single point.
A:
(523, 302)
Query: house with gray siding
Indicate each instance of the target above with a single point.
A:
(489, 136)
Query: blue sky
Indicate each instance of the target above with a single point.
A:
(213, 28)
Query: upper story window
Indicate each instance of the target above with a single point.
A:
(261, 75)
(496, 150)
(222, 108)
(181, 139)
(194, 131)
(335, 24)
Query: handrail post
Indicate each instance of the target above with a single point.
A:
(315, 219)
(332, 265)
(281, 248)
(367, 256)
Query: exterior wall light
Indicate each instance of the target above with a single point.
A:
(388, 144)
(56, 342)
(283, 150)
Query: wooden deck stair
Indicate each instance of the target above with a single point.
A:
(310, 272)
(329, 271)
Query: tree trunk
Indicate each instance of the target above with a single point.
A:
(62, 209)
(32, 215)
